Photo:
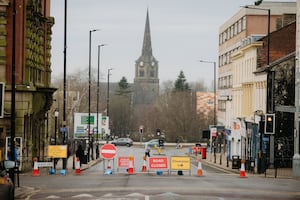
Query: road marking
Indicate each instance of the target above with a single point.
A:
(82, 195)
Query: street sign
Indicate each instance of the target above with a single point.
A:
(123, 162)
(158, 163)
(180, 163)
(108, 151)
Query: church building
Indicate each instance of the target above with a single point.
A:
(146, 82)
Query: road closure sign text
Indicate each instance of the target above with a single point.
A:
(180, 163)
(158, 163)
(57, 151)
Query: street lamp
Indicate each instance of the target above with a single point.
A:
(55, 125)
(269, 106)
(215, 90)
(107, 102)
(215, 106)
(89, 107)
(98, 92)
(269, 100)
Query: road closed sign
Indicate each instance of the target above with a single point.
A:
(158, 163)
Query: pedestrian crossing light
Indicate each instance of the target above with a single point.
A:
(270, 124)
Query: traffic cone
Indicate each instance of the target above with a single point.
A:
(77, 166)
(144, 168)
(199, 170)
(130, 166)
(242, 170)
(108, 164)
(35, 169)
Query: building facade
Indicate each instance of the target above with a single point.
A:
(249, 95)
(146, 81)
(31, 30)
(246, 23)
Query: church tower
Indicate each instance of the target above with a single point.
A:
(146, 82)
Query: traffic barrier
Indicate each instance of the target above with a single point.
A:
(199, 170)
(242, 170)
(35, 169)
(130, 166)
(77, 166)
(144, 168)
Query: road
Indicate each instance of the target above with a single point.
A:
(93, 184)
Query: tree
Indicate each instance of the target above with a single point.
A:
(180, 83)
(121, 110)
(124, 88)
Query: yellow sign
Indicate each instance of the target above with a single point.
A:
(180, 163)
(57, 151)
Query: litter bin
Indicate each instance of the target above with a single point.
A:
(203, 152)
(236, 162)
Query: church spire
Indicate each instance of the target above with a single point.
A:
(147, 48)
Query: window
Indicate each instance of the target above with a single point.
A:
(152, 73)
(142, 73)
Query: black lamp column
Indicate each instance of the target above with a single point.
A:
(98, 94)
(89, 107)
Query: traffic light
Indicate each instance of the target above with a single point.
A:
(141, 130)
(270, 124)
(158, 132)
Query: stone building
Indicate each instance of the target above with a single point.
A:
(30, 36)
(146, 81)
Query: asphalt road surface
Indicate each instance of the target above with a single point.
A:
(94, 184)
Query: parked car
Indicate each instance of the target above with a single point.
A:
(122, 142)
(6, 186)
(152, 143)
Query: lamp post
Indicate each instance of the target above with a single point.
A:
(98, 93)
(89, 106)
(56, 113)
(215, 90)
(270, 83)
(107, 100)
(215, 105)
(64, 132)
(13, 95)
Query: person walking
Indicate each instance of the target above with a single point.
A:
(80, 153)
(147, 150)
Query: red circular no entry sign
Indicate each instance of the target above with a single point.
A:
(108, 151)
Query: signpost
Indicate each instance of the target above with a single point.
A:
(108, 151)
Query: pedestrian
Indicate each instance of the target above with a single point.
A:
(147, 150)
(80, 154)
(177, 143)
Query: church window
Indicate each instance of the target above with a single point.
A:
(151, 73)
(142, 73)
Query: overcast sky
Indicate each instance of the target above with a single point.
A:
(182, 32)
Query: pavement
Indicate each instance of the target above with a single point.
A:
(221, 162)
(22, 191)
